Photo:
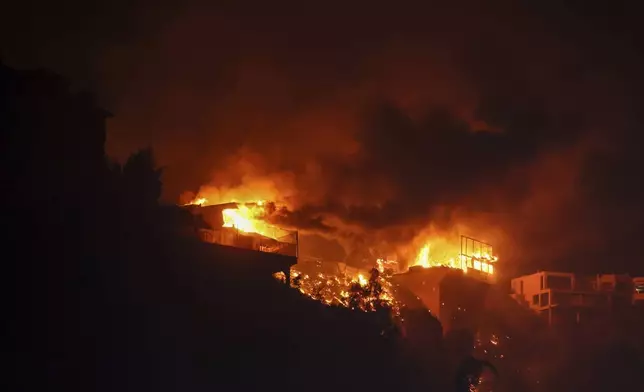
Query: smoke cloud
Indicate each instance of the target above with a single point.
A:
(374, 125)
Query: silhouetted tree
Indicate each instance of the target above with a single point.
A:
(52, 139)
(141, 181)
(54, 169)
(375, 286)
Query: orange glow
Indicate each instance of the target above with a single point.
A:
(439, 252)
(249, 219)
(337, 290)
(198, 202)
(251, 190)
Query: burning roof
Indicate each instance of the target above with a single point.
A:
(249, 218)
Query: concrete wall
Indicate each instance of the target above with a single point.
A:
(454, 298)
(525, 287)
(462, 301)
(425, 284)
(249, 261)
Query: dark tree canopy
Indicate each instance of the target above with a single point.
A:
(142, 179)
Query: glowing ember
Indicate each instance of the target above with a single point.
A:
(387, 267)
(357, 292)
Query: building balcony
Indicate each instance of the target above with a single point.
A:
(548, 298)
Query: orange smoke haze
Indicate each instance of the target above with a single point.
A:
(371, 135)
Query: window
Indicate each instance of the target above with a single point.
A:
(545, 299)
(622, 287)
(541, 282)
(535, 299)
(559, 282)
(639, 288)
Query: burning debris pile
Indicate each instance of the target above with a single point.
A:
(354, 292)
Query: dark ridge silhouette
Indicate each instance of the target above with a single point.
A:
(109, 291)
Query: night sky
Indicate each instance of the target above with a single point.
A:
(520, 120)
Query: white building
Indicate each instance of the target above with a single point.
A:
(567, 299)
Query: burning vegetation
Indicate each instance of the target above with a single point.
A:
(365, 292)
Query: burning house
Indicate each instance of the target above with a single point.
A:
(453, 288)
(242, 225)
(449, 281)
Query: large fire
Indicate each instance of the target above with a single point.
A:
(438, 252)
(366, 292)
(247, 218)
(358, 290)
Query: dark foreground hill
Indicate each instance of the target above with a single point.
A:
(184, 316)
(205, 318)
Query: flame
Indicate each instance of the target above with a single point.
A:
(248, 218)
(251, 189)
(356, 292)
(423, 256)
(201, 201)
(438, 252)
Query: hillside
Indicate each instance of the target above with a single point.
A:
(200, 316)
